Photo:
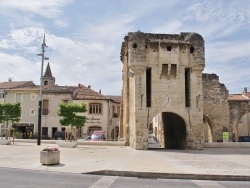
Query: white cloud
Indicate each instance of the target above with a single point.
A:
(227, 51)
(45, 8)
(18, 68)
(172, 27)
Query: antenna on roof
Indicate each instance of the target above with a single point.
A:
(10, 79)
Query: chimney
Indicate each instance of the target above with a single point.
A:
(245, 90)
(89, 86)
(100, 91)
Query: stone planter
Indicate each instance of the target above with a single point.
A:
(5, 142)
(50, 157)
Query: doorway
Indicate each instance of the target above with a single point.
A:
(175, 135)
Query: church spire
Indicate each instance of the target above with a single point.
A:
(48, 79)
(48, 72)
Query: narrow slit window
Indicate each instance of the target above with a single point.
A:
(187, 87)
(148, 87)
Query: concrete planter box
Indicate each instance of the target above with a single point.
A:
(50, 157)
(5, 142)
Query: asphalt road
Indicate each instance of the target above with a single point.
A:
(19, 178)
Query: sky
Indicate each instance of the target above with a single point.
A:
(84, 37)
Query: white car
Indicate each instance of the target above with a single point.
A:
(88, 138)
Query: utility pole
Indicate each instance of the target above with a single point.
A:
(40, 92)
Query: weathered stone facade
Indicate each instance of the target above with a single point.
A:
(162, 73)
(215, 102)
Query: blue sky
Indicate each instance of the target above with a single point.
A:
(84, 37)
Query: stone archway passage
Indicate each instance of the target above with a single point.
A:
(174, 131)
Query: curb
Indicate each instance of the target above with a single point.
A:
(152, 175)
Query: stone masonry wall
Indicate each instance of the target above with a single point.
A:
(215, 105)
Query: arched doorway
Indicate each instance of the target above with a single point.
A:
(244, 125)
(175, 134)
(207, 130)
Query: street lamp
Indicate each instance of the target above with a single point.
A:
(40, 94)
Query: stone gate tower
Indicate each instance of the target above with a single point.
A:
(162, 81)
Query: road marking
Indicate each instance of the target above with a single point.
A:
(206, 184)
(104, 182)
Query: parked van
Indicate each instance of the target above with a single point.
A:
(98, 136)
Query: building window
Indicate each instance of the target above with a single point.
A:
(32, 96)
(65, 101)
(18, 98)
(95, 108)
(44, 131)
(45, 108)
(165, 69)
(169, 48)
(45, 82)
(1, 95)
(32, 112)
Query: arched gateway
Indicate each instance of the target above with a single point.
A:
(162, 73)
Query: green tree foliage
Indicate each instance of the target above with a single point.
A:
(70, 114)
(10, 112)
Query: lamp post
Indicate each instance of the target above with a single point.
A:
(40, 92)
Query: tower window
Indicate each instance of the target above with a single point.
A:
(165, 69)
(148, 87)
(187, 87)
(134, 45)
(173, 70)
(191, 50)
(45, 82)
(169, 48)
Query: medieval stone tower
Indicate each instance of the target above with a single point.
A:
(162, 82)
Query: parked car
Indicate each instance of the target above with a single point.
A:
(59, 135)
(98, 136)
(244, 139)
(88, 138)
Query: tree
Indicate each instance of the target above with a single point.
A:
(10, 113)
(70, 116)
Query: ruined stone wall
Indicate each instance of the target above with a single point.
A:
(215, 105)
(166, 57)
(237, 110)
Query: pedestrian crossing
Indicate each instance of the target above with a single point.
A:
(206, 184)
(107, 181)
(104, 182)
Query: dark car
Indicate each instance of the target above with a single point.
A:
(244, 139)
(59, 135)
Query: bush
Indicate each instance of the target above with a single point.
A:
(18, 135)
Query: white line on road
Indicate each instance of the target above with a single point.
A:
(104, 182)
(207, 184)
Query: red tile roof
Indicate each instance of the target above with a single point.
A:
(15, 84)
(237, 97)
(47, 89)
(85, 93)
